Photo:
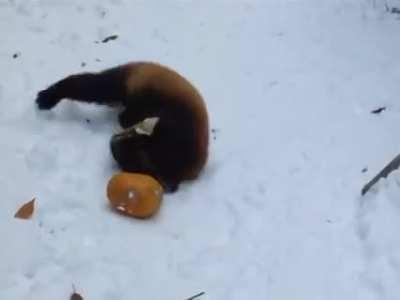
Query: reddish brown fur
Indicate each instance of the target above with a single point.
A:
(178, 147)
(169, 82)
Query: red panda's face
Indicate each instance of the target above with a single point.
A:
(130, 150)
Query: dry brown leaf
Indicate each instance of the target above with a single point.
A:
(76, 296)
(26, 210)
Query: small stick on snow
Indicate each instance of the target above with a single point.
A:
(389, 168)
(196, 296)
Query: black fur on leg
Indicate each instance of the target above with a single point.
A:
(169, 187)
(47, 99)
(124, 119)
(106, 87)
(143, 104)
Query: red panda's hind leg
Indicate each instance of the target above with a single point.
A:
(140, 105)
(48, 98)
(106, 87)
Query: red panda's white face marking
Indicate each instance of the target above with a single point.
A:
(146, 126)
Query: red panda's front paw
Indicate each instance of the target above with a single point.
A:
(46, 99)
(170, 186)
(123, 119)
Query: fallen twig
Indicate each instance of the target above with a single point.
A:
(389, 168)
(110, 38)
(395, 10)
(196, 296)
(378, 110)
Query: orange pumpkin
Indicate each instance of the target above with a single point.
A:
(134, 194)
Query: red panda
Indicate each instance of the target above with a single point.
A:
(177, 149)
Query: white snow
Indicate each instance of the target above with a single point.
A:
(131, 194)
(277, 214)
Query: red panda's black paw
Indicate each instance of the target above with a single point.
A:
(46, 99)
(123, 119)
(169, 186)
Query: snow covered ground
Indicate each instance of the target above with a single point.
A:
(277, 214)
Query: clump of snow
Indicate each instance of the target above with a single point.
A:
(277, 213)
(131, 194)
